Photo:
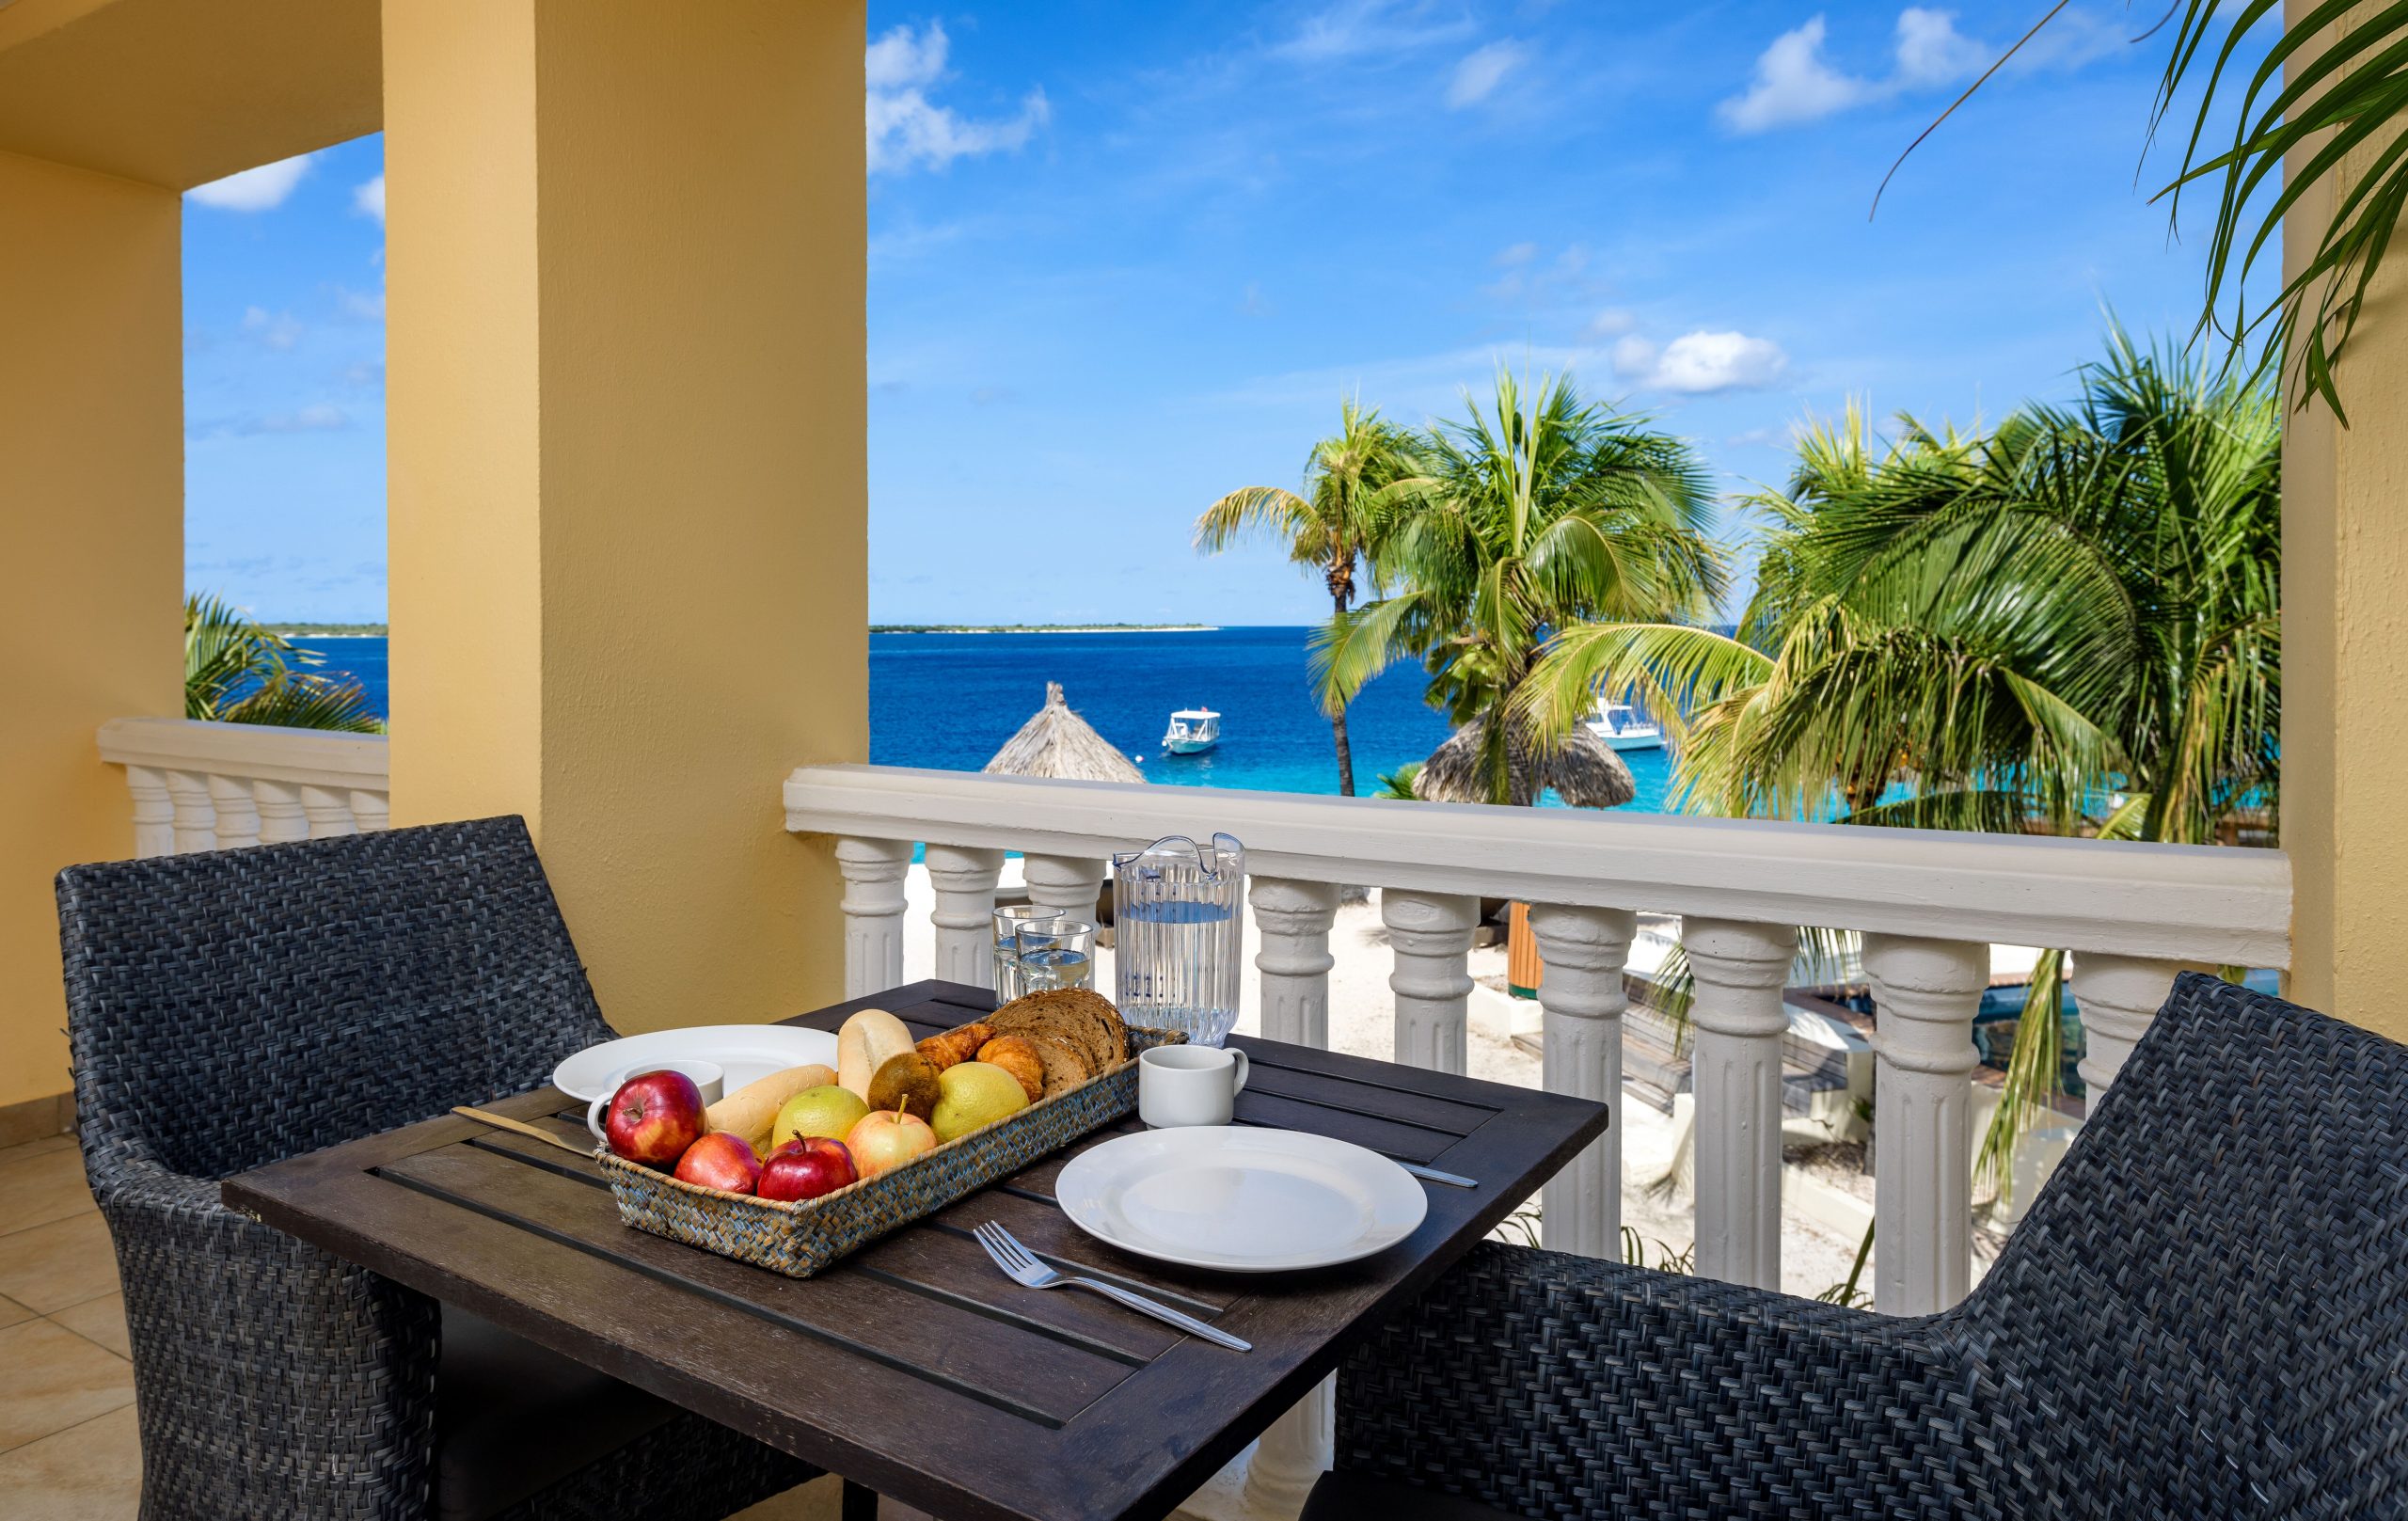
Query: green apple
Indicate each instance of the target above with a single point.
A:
(830, 1111)
(974, 1095)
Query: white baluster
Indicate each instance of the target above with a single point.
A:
(280, 811)
(1926, 993)
(1736, 1019)
(196, 819)
(330, 813)
(1581, 1003)
(155, 815)
(1069, 884)
(964, 878)
(371, 809)
(873, 904)
(2119, 997)
(1294, 1453)
(238, 820)
(1292, 919)
(1431, 934)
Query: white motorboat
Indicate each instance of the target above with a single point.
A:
(1621, 727)
(1193, 731)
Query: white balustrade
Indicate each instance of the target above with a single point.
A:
(1431, 936)
(1735, 1022)
(209, 786)
(1581, 1004)
(964, 878)
(873, 907)
(1924, 995)
(2119, 996)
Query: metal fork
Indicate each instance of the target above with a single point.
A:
(1022, 1267)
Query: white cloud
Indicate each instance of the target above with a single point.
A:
(369, 198)
(903, 127)
(1795, 82)
(1606, 324)
(1515, 253)
(1931, 51)
(1481, 71)
(1354, 27)
(319, 418)
(1698, 363)
(1792, 83)
(276, 329)
(253, 190)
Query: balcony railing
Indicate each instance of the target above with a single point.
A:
(205, 786)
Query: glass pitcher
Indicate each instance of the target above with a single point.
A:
(1177, 910)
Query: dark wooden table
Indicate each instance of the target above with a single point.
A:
(913, 1367)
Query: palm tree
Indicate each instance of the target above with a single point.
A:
(1331, 526)
(2070, 624)
(1537, 513)
(237, 671)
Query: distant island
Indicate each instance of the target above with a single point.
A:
(1043, 628)
(330, 630)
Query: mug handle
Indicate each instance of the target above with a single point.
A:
(1241, 1069)
(593, 1115)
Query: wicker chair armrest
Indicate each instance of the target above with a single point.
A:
(1545, 1384)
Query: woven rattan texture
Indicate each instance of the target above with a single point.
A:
(234, 1007)
(2204, 1315)
(800, 1239)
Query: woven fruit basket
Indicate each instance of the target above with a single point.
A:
(802, 1237)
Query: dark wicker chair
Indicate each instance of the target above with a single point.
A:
(2204, 1315)
(230, 1008)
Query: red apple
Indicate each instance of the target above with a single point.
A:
(885, 1139)
(806, 1167)
(653, 1117)
(722, 1159)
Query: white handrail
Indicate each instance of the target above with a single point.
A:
(2199, 903)
(313, 758)
(199, 787)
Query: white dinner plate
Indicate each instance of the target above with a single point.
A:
(744, 1052)
(1241, 1200)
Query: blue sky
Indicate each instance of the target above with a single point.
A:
(1123, 259)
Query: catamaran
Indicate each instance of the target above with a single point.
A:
(1621, 727)
(1193, 731)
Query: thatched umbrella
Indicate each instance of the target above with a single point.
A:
(1583, 770)
(1057, 742)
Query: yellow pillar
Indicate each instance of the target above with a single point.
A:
(2345, 659)
(628, 495)
(91, 533)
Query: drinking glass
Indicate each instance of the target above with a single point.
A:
(1055, 953)
(1008, 919)
(1175, 922)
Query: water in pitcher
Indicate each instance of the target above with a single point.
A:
(1175, 928)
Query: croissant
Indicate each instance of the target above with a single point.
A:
(959, 1045)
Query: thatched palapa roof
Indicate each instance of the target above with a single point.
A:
(1058, 743)
(1583, 770)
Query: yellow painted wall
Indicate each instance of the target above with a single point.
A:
(2345, 661)
(91, 549)
(628, 492)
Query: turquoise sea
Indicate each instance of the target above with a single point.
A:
(951, 700)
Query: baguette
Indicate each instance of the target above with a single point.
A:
(750, 1110)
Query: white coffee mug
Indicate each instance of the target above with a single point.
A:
(1189, 1085)
(707, 1076)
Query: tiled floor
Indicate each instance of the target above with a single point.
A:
(68, 1447)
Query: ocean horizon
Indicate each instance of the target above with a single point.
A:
(949, 702)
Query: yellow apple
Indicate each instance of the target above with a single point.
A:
(826, 1110)
(974, 1095)
(887, 1138)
